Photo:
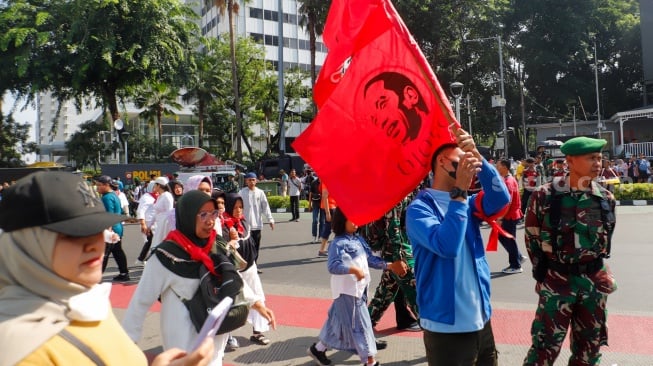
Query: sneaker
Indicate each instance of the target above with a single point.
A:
(139, 262)
(315, 240)
(522, 259)
(510, 270)
(319, 357)
(232, 343)
(123, 277)
(411, 328)
(381, 344)
(322, 254)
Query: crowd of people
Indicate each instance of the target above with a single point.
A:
(429, 247)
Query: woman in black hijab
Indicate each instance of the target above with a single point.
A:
(235, 228)
(176, 188)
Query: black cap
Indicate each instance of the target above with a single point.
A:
(57, 201)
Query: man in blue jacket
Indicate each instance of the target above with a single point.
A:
(451, 270)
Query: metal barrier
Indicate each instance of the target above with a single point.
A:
(637, 148)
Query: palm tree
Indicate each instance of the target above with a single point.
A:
(313, 19)
(232, 7)
(203, 86)
(157, 98)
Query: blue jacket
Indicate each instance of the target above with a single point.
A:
(112, 204)
(437, 242)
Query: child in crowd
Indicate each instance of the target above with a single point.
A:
(348, 326)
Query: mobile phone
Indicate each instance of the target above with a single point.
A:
(213, 321)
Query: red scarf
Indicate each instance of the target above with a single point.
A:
(200, 254)
(230, 221)
(154, 195)
(492, 221)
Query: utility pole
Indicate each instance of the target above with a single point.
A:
(523, 111)
(282, 129)
(503, 94)
(596, 81)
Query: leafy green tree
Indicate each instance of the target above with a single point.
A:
(258, 96)
(313, 18)
(235, 108)
(158, 99)
(13, 142)
(89, 50)
(556, 49)
(202, 84)
(232, 7)
(86, 147)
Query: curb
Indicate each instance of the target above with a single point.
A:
(634, 202)
(285, 210)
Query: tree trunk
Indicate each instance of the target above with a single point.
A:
(200, 111)
(234, 73)
(159, 123)
(110, 99)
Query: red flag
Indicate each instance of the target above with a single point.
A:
(382, 111)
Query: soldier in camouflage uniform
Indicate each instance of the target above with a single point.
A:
(388, 235)
(231, 186)
(569, 224)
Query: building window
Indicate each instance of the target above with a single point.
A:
(256, 13)
(271, 40)
(257, 37)
(271, 15)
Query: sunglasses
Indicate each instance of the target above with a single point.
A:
(206, 215)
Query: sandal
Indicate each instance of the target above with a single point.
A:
(259, 338)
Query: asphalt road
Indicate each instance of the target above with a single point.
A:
(297, 285)
(289, 260)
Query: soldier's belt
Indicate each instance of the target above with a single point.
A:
(576, 268)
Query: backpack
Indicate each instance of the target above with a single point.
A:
(316, 193)
(214, 288)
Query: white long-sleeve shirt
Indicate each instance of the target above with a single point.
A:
(161, 208)
(255, 205)
(176, 328)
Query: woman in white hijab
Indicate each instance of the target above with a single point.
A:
(52, 309)
(194, 183)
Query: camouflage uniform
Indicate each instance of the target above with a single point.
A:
(388, 235)
(231, 186)
(577, 297)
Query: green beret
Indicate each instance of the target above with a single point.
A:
(582, 145)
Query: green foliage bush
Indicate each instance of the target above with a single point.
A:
(634, 191)
(284, 202)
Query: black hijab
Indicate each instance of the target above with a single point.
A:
(186, 213)
(171, 186)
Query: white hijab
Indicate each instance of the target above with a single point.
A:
(35, 303)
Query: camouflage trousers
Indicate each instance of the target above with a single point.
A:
(386, 292)
(568, 301)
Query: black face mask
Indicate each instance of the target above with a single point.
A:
(452, 174)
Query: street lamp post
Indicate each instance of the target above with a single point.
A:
(503, 93)
(598, 101)
(125, 136)
(457, 91)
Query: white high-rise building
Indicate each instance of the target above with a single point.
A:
(258, 19)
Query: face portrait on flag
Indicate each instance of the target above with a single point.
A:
(394, 104)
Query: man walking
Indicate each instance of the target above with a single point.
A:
(255, 205)
(112, 204)
(510, 220)
(294, 190)
(314, 200)
(569, 224)
(451, 270)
